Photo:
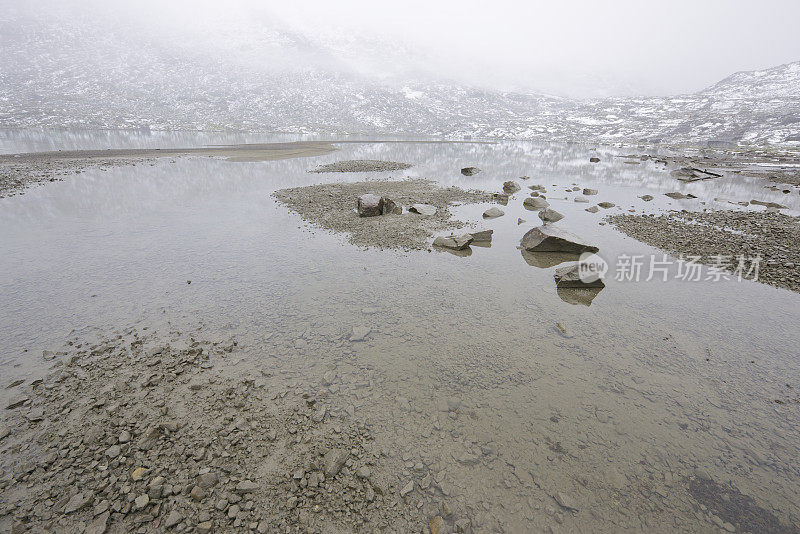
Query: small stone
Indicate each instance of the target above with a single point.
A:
(99, 524)
(360, 333)
(606, 205)
(138, 473)
(173, 519)
(77, 502)
(593, 209)
(124, 436)
(246, 486)
(113, 451)
(511, 187)
(16, 402)
(470, 171)
(437, 525)
(594, 159)
(535, 203)
(142, 501)
(206, 527)
(455, 242)
(550, 215)
(588, 191)
(482, 236)
(208, 480)
(369, 205)
(408, 488)
(647, 198)
(197, 494)
(582, 200)
(233, 511)
(565, 501)
(334, 461)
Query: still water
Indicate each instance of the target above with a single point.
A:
(655, 385)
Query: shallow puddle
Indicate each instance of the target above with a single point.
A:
(601, 424)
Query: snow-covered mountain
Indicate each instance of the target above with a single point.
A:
(89, 72)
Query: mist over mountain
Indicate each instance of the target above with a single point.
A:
(249, 71)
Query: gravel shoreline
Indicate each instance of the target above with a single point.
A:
(135, 434)
(772, 236)
(362, 165)
(331, 207)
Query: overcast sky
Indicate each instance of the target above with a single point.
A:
(573, 48)
(578, 46)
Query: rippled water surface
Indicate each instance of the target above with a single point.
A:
(656, 387)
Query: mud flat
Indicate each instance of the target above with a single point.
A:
(20, 171)
(332, 207)
(362, 165)
(133, 431)
(772, 236)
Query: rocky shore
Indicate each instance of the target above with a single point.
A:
(134, 434)
(771, 235)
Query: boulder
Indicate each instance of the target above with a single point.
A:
(588, 191)
(569, 276)
(535, 203)
(369, 205)
(553, 239)
(511, 187)
(423, 209)
(493, 212)
(455, 242)
(482, 236)
(550, 215)
(469, 171)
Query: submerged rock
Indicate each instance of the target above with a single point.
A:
(455, 242)
(571, 276)
(369, 205)
(511, 187)
(550, 215)
(547, 238)
(535, 203)
(469, 171)
(423, 209)
(578, 296)
(493, 212)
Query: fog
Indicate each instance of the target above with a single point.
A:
(580, 48)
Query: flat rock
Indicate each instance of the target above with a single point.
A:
(550, 215)
(547, 238)
(679, 196)
(592, 209)
(173, 519)
(423, 209)
(16, 402)
(99, 524)
(582, 200)
(408, 488)
(493, 212)
(455, 242)
(588, 191)
(470, 171)
(606, 205)
(246, 486)
(77, 502)
(647, 198)
(369, 205)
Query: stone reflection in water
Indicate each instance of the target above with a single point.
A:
(545, 260)
(578, 296)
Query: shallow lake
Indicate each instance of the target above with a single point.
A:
(655, 383)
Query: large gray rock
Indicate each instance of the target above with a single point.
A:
(535, 203)
(553, 239)
(455, 242)
(390, 207)
(550, 215)
(469, 171)
(369, 205)
(511, 187)
(423, 209)
(569, 276)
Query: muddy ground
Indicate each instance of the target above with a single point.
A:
(332, 207)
